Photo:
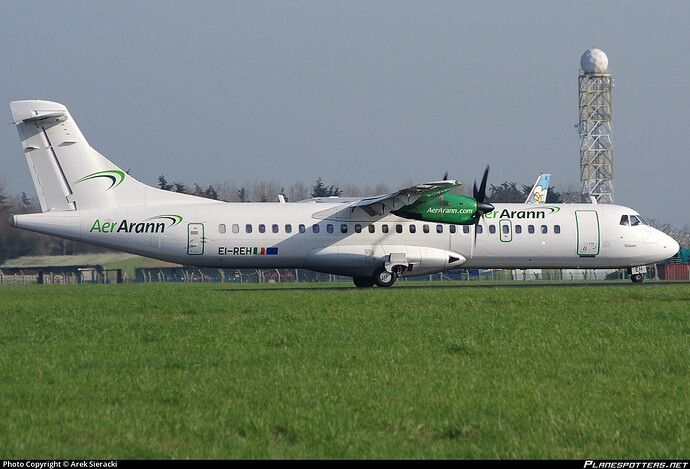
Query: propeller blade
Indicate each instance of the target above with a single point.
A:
(476, 224)
(482, 188)
(482, 207)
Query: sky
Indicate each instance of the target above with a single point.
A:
(356, 92)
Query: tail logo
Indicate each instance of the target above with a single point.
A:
(115, 176)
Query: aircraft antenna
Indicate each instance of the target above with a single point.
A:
(594, 127)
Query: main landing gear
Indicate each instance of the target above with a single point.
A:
(381, 278)
(363, 282)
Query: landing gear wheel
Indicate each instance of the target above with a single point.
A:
(383, 278)
(637, 278)
(363, 282)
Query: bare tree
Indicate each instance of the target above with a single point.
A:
(298, 191)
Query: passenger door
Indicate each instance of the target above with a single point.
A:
(588, 235)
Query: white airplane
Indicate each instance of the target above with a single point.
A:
(415, 231)
(539, 190)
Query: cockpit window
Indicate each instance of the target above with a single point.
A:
(633, 220)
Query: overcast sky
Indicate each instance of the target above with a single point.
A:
(356, 92)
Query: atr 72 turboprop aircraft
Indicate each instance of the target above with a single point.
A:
(415, 231)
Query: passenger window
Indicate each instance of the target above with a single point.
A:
(288, 228)
(329, 228)
(530, 229)
(624, 220)
(518, 229)
(302, 228)
(544, 229)
(274, 228)
(492, 229)
(221, 228)
(372, 228)
(439, 228)
(248, 228)
(557, 229)
(235, 228)
(480, 229)
(453, 228)
(398, 228)
(384, 228)
(425, 228)
(343, 228)
(413, 228)
(315, 228)
(465, 229)
(262, 228)
(505, 229)
(358, 228)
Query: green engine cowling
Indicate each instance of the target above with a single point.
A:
(448, 208)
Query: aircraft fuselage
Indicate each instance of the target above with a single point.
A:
(329, 237)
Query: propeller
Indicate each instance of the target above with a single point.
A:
(445, 178)
(482, 207)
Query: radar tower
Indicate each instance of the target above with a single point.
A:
(594, 128)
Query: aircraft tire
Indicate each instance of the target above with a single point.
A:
(363, 282)
(637, 278)
(383, 278)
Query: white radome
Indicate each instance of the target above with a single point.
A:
(594, 61)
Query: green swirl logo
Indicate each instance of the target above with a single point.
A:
(115, 176)
(175, 219)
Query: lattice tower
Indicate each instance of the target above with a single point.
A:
(594, 128)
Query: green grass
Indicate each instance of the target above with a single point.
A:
(211, 371)
(130, 266)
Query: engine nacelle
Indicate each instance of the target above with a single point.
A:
(405, 260)
(448, 208)
(420, 260)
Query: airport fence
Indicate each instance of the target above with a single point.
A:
(258, 276)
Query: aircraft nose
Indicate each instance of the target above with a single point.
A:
(672, 246)
(668, 245)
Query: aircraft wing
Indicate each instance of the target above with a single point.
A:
(410, 197)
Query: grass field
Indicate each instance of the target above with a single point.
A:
(210, 371)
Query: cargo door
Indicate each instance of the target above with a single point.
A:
(195, 239)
